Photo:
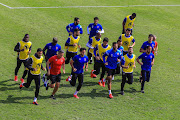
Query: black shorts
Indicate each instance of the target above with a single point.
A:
(146, 75)
(110, 72)
(129, 76)
(55, 78)
(69, 55)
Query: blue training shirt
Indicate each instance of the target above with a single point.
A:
(112, 58)
(71, 27)
(146, 60)
(94, 29)
(52, 49)
(145, 44)
(79, 63)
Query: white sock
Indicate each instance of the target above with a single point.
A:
(109, 92)
(113, 77)
(99, 80)
(35, 99)
(104, 80)
(71, 76)
(76, 92)
(22, 84)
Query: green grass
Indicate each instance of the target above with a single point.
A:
(161, 98)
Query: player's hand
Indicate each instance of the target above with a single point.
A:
(29, 52)
(74, 70)
(75, 44)
(35, 69)
(126, 67)
(48, 73)
(22, 50)
(44, 69)
(70, 33)
(79, 46)
(64, 72)
(106, 63)
(118, 60)
(134, 66)
(156, 53)
(86, 69)
(97, 58)
(141, 63)
(152, 63)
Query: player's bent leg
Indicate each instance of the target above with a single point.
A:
(19, 62)
(73, 80)
(130, 78)
(148, 74)
(37, 79)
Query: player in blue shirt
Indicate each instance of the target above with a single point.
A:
(71, 27)
(77, 64)
(114, 56)
(146, 64)
(94, 28)
(150, 42)
(120, 48)
(52, 49)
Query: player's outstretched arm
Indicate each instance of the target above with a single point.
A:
(63, 66)
(139, 61)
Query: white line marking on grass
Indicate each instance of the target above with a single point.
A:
(6, 6)
(90, 6)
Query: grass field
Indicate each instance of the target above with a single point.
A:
(162, 93)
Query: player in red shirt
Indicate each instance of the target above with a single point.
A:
(156, 45)
(55, 71)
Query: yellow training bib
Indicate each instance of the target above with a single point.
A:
(23, 55)
(102, 50)
(129, 62)
(129, 23)
(126, 41)
(94, 43)
(36, 63)
(73, 41)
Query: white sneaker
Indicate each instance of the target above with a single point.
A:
(113, 77)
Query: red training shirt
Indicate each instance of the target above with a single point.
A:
(56, 64)
(156, 44)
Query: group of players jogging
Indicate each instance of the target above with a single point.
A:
(110, 59)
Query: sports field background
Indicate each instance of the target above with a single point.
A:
(161, 98)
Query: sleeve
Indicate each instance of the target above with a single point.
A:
(88, 30)
(87, 59)
(105, 54)
(30, 48)
(133, 40)
(74, 58)
(29, 64)
(67, 28)
(143, 46)
(119, 37)
(50, 59)
(122, 61)
(95, 51)
(125, 19)
(89, 44)
(68, 42)
(102, 30)
(140, 56)
(16, 48)
(81, 30)
(46, 47)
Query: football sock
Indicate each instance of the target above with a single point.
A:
(99, 80)
(35, 99)
(109, 92)
(104, 80)
(76, 92)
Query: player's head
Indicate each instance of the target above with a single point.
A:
(105, 41)
(128, 31)
(149, 49)
(133, 15)
(98, 35)
(39, 52)
(150, 38)
(76, 32)
(60, 53)
(154, 37)
(26, 37)
(76, 20)
(54, 41)
(119, 42)
(130, 50)
(115, 45)
(82, 51)
(96, 20)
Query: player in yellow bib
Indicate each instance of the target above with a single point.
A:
(92, 44)
(34, 65)
(127, 39)
(98, 53)
(23, 48)
(128, 22)
(128, 63)
(72, 45)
